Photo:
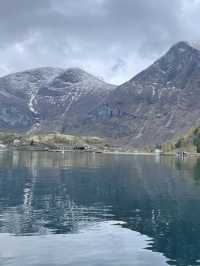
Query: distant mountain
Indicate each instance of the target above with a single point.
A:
(160, 103)
(48, 99)
(155, 106)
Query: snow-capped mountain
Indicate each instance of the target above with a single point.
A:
(46, 99)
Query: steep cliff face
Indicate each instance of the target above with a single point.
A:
(161, 102)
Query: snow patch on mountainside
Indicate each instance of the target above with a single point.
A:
(31, 104)
(169, 122)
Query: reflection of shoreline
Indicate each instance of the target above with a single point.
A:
(166, 177)
(190, 155)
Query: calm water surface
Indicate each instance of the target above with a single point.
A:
(84, 209)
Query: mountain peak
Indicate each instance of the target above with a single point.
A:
(185, 45)
(194, 44)
(74, 75)
(182, 46)
(159, 103)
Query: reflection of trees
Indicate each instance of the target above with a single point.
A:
(41, 192)
(197, 170)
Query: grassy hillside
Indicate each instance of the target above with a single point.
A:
(62, 139)
(51, 140)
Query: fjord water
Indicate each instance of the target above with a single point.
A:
(86, 209)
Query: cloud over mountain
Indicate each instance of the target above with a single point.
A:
(93, 34)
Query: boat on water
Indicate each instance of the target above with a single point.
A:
(181, 155)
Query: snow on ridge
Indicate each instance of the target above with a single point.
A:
(141, 131)
(29, 82)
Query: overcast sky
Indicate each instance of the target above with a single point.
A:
(113, 39)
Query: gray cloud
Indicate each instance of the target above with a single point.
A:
(110, 38)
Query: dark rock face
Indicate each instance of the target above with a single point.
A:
(158, 104)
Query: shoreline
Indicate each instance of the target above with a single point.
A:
(116, 152)
(111, 152)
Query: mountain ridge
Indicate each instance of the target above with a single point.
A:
(46, 93)
(146, 110)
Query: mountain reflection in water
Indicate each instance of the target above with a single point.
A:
(51, 193)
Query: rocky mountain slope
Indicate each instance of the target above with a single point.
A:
(160, 103)
(48, 99)
(157, 105)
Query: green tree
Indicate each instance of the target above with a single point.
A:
(196, 139)
(7, 138)
(180, 143)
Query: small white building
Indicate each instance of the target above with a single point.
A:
(2, 147)
(157, 151)
(16, 142)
